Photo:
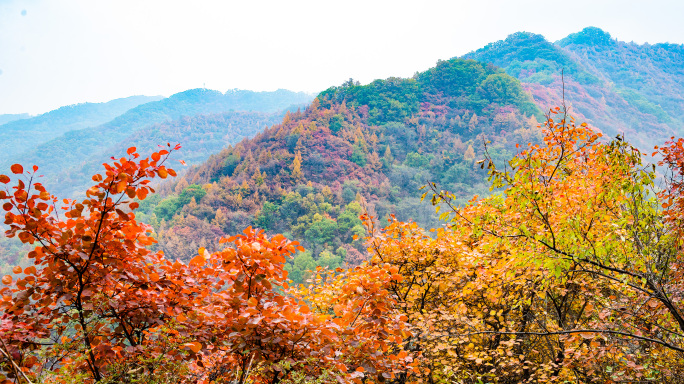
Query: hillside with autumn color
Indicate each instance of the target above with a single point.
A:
(617, 87)
(356, 148)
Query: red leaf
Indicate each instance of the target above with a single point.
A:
(17, 169)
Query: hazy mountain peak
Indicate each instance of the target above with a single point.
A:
(588, 36)
(520, 46)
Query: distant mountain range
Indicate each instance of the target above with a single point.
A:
(67, 141)
(20, 135)
(4, 119)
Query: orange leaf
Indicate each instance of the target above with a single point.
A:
(4, 179)
(130, 150)
(194, 346)
(7, 280)
(197, 261)
(121, 186)
(16, 269)
(360, 369)
(141, 193)
(17, 169)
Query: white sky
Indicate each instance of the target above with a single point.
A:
(55, 53)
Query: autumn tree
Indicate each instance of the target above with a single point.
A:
(586, 214)
(92, 285)
(297, 167)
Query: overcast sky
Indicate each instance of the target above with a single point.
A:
(55, 53)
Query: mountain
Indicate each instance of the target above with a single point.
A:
(355, 147)
(25, 134)
(617, 87)
(200, 137)
(651, 77)
(4, 119)
(65, 157)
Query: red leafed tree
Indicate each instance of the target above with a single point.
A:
(98, 305)
(92, 285)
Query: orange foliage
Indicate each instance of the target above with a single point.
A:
(98, 305)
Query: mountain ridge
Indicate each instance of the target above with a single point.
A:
(603, 80)
(19, 135)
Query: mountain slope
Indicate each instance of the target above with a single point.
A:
(355, 146)
(617, 87)
(650, 77)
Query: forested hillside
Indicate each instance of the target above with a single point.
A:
(617, 87)
(23, 135)
(354, 148)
